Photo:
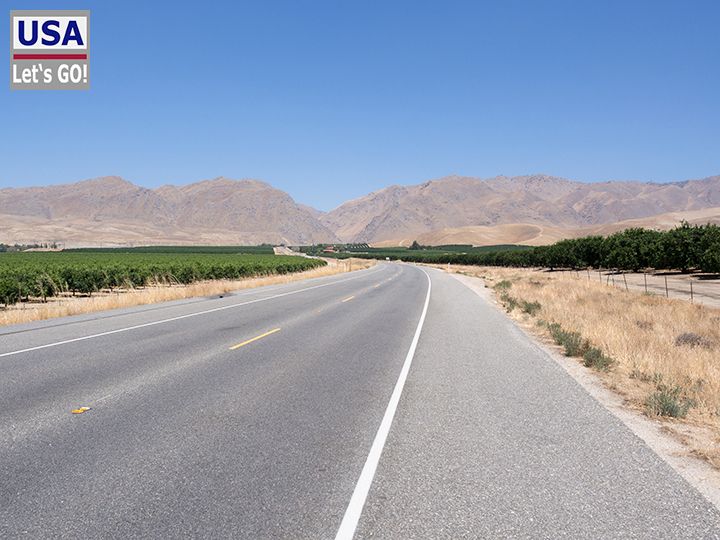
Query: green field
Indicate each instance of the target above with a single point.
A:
(42, 275)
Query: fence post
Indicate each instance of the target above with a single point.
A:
(667, 293)
(645, 277)
(625, 280)
(692, 297)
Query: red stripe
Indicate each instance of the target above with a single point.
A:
(49, 56)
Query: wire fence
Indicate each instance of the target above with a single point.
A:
(695, 288)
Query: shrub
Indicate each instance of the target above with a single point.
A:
(594, 358)
(531, 308)
(572, 342)
(668, 401)
(503, 285)
(556, 332)
(640, 375)
(690, 339)
(509, 302)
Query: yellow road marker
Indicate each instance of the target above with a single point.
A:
(376, 286)
(254, 339)
(349, 298)
(80, 410)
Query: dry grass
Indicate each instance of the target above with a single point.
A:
(642, 334)
(61, 307)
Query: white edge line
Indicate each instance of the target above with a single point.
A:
(187, 316)
(357, 501)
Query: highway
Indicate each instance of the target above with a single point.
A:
(392, 402)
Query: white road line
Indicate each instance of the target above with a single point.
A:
(187, 316)
(359, 496)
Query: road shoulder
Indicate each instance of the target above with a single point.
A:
(493, 439)
(700, 474)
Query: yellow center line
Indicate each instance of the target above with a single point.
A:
(349, 298)
(254, 339)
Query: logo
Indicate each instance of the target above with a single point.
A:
(50, 50)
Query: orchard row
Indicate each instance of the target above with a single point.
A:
(687, 247)
(41, 275)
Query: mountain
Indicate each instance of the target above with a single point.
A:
(534, 209)
(111, 210)
(400, 212)
(537, 234)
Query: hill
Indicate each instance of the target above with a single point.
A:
(530, 204)
(532, 210)
(111, 210)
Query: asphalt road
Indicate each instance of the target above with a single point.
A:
(253, 416)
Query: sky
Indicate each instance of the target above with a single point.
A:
(331, 100)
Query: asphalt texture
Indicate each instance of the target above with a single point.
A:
(187, 436)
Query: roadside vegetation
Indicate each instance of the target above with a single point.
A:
(42, 275)
(683, 248)
(662, 356)
(162, 291)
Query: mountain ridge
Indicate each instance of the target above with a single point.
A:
(221, 210)
(457, 201)
(237, 211)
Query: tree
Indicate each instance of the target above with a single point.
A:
(415, 246)
(681, 247)
(711, 259)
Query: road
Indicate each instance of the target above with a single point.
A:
(316, 409)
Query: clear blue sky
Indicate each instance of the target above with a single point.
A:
(331, 100)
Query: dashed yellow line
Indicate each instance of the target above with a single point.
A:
(254, 339)
(349, 298)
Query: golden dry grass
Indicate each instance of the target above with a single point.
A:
(62, 307)
(639, 332)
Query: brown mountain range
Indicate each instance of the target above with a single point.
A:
(528, 209)
(400, 212)
(111, 210)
